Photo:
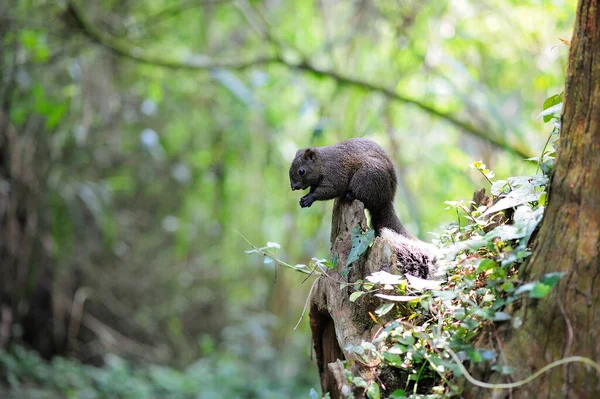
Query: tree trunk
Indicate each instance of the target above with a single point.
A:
(566, 322)
(27, 308)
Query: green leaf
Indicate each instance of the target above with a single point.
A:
(539, 290)
(417, 356)
(359, 382)
(501, 316)
(360, 242)
(398, 394)
(550, 107)
(367, 286)
(397, 349)
(445, 295)
(355, 295)
(459, 313)
(373, 391)
(486, 264)
(524, 288)
(508, 286)
(407, 339)
(55, 115)
(334, 260)
(551, 279)
(392, 359)
(28, 38)
(475, 356)
(383, 309)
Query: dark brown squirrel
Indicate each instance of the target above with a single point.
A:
(353, 169)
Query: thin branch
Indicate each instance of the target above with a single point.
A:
(391, 94)
(174, 10)
(129, 50)
(203, 62)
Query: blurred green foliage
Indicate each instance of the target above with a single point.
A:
(216, 375)
(147, 172)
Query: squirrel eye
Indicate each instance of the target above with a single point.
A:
(301, 171)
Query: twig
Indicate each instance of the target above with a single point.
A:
(306, 303)
(304, 269)
(79, 299)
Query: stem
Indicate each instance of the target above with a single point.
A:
(527, 380)
(543, 152)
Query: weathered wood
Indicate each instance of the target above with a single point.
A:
(333, 318)
(335, 321)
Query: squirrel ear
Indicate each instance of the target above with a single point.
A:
(309, 154)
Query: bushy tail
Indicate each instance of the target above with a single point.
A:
(386, 218)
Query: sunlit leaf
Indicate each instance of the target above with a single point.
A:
(399, 298)
(355, 295)
(422, 284)
(539, 290)
(373, 391)
(384, 278)
(384, 309)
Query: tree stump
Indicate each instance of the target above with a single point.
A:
(335, 321)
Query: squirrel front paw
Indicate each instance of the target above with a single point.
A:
(307, 200)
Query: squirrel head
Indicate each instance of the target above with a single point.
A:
(306, 169)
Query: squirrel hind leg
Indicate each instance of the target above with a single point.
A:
(372, 189)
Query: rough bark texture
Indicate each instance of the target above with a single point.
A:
(567, 321)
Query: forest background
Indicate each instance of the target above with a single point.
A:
(143, 137)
